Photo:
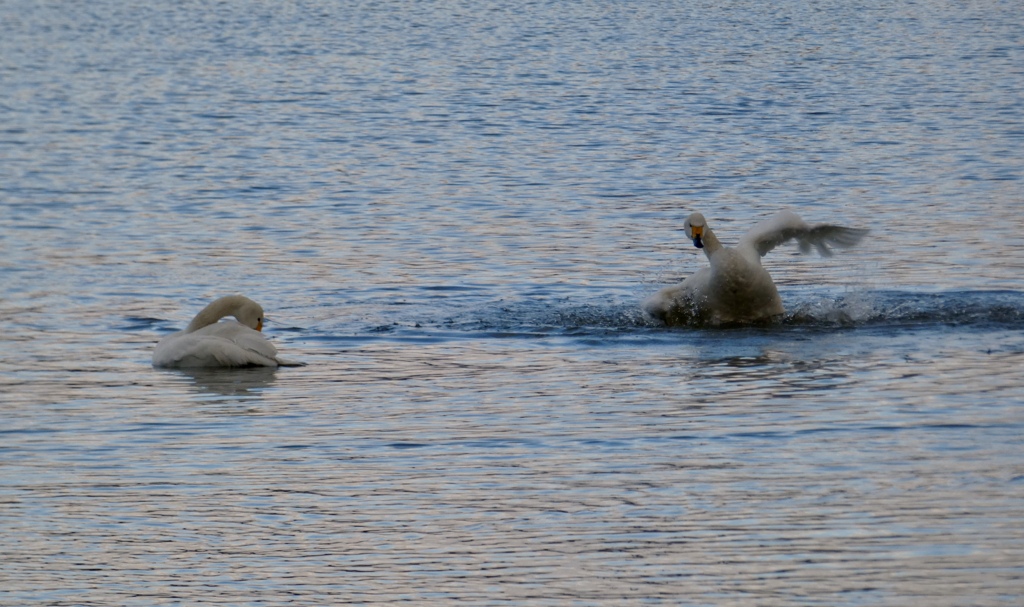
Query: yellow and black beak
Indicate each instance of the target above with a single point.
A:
(259, 325)
(696, 233)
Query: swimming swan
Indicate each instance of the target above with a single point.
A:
(735, 288)
(208, 343)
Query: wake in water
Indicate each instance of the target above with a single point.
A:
(896, 308)
(859, 309)
(545, 316)
(612, 320)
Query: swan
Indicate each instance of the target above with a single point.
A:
(208, 343)
(735, 288)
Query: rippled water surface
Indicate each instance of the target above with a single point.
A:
(451, 212)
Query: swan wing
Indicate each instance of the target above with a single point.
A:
(225, 344)
(256, 345)
(785, 226)
(208, 351)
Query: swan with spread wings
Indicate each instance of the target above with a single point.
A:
(735, 287)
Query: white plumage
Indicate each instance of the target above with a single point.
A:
(735, 288)
(208, 343)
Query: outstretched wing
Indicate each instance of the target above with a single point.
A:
(786, 226)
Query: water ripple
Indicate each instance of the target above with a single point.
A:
(451, 214)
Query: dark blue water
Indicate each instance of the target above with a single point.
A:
(451, 213)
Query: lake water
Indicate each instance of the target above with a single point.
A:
(451, 212)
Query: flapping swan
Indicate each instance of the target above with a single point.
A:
(735, 288)
(208, 343)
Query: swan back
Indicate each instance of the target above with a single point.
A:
(222, 344)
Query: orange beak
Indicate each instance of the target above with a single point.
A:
(259, 325)
(698, 233)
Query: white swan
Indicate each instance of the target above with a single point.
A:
(208, 343)
(735, 288)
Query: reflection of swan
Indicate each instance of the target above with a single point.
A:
(208, 343)
(735, 288)
(242, 382)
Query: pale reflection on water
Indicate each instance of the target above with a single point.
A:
(450, 213)
(230, 382)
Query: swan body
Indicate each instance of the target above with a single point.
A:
(735, 287)
(232, 343)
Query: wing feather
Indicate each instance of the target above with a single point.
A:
(786, 225)
(224, 344)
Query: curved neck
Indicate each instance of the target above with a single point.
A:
(218, 309)
(711, 243)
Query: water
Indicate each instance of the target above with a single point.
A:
(451, 212)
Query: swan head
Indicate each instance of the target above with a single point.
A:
(695, 226)
(249, 313)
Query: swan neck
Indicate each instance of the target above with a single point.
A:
(711, 243)
(217, 310)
